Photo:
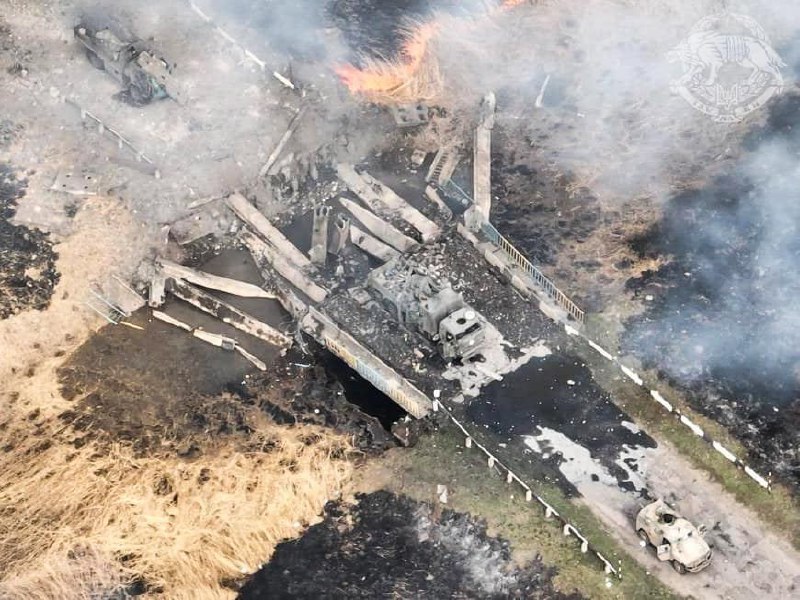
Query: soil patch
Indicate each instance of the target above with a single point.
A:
(27, 261)
(168, 392)
(389, 546)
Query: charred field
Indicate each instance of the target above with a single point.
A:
(206, 440)
(399, 547)
(28, 272)
(720, 320)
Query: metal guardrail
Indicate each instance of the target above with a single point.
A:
(535, 274)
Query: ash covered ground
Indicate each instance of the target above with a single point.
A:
(28, 272)
(389, 546)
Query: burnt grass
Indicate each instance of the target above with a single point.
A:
(28, 273)
(722, 320)
(378, 28)
(534, 209)
(389, 546)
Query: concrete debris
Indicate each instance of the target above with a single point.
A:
(410, 115)
(214, 339)
(228, 313)
(213, 282)
(372, 245)
(340, 235)
(380, 228)
(319, 235)
(261, 225)
(75, 184)
(265, 253)
(293, 124)
(382, 199)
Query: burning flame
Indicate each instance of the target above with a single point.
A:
(384, 78)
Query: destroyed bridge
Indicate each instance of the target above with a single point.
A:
(422, 298)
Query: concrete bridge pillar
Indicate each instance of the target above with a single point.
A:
(341, 233)
(319, 235)
(482, 159)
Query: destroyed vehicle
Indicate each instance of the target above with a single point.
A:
(422, 302)
(674, 538)
(143, 76)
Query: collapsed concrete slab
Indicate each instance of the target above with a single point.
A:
(380, 228)
(380, 198)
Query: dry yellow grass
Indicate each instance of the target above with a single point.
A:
(73, 523)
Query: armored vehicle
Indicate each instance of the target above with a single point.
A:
(143, 76)
(675, 538)
(420, 301)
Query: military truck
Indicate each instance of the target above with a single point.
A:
(674, 538)
(144, 77)
(420, 301)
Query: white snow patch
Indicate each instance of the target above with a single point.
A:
(630, 427)
(578, 465)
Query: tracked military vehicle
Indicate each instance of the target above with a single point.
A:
(144, 76)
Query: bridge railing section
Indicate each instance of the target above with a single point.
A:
(535, 274)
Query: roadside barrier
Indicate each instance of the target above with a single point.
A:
(764, 482)
(234, 42)
(530, 495)
(559, 297)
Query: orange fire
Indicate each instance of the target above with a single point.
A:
(390, 76)
(387, 77)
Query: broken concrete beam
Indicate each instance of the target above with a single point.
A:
(482, 176)
(261, 225)
(215, 339)
(319, 235)
(213, 282)
(228, 313)
(171, 321)
(254, 360)
(379, 227)
(382, 198)
(366, 363)
(264, 251)
(265, 170)
(341, 234)
(371, 245)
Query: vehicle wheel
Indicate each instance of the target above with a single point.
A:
(643, 536)
(96, 61)
(679, 567)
